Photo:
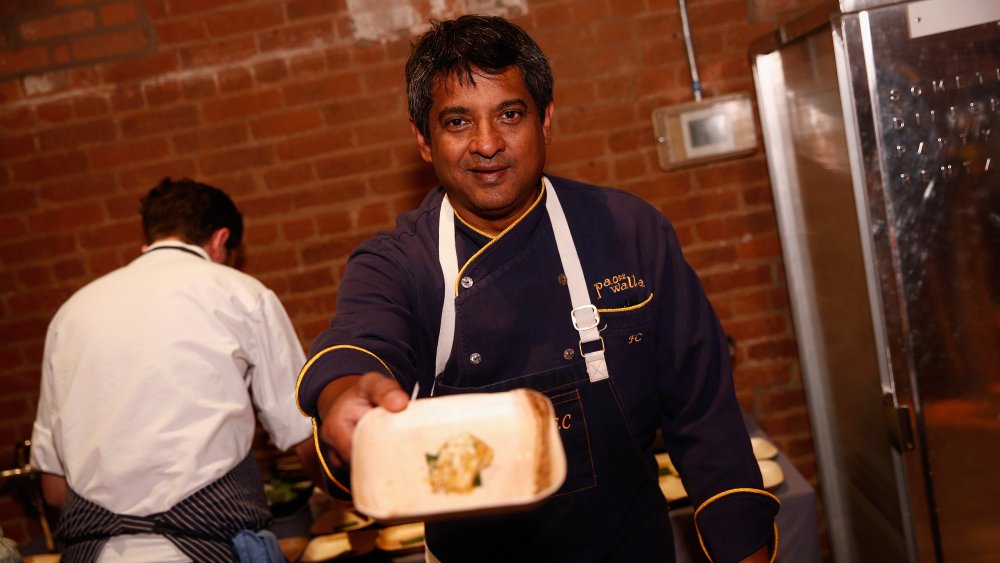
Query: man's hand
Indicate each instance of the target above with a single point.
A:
(344, 401)
(759, 556)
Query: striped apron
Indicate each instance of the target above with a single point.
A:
(202, 525)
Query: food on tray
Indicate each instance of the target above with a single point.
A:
(422, 462)
(456, 467)
(323, 548)
(404, 537)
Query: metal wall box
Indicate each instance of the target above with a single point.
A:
(703, 131)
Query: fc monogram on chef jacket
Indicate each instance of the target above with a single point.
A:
(618, 282)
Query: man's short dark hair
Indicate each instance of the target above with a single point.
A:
(190, 210)
(488, 43)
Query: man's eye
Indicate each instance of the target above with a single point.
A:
(454, 123)
(511, 115)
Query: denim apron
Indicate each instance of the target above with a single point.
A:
(610, 507)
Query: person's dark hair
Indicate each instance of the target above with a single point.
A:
(487, 43)
(189, 210)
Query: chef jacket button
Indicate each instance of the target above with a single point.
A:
(475, 358)
(562, 279)
(466, 282)
(568, 353)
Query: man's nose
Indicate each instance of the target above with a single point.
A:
(487, 140)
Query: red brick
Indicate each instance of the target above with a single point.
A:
(308, 146)
(35, 249)
(127, 153)
(56, 112)
(739, 277)
(283, 178)
(300, 9)
(146, 176)
(68, 269)
(234, 79)
(14, 147)
(87, 186)
(31, 300)
(147, 67)
(778, 349)
(235, 160)
(238, 107)
(49, 166)
(106, 236)
(196, 87)
(188, 7)
(160, 121)
(127, 97)
(296, 36)
(352, 163)
(323, 89)
(270, 71)
(77, 134)
(287, 123)
(162, 92)
(66, 218)
(309, 280)
(176, 32)
(59, 25)
(110, 45)
(298, 229)
(21, 60)
(210, 138)
(229, 51)
(90, 106)
(119, 13)
(244, 19)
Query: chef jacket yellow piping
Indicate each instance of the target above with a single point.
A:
(701, 541)
(493, 238)
(629, 308)
(298, 380)
(322, 459)
(309, 364)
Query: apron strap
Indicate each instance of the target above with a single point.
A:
(448, 257)
(584, 316)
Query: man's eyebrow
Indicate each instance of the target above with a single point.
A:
(513, 102)
(453, 110)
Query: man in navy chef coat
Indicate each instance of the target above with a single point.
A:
(504, 278)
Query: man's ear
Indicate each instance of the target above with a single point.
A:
(547, 122)
(216, 245)
(423, 142)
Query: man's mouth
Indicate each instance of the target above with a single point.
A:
(489, 173)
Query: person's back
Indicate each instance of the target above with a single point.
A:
(147, 383)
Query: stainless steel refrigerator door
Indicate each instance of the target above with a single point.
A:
(799, 100)
(933, 196)
(911, 169)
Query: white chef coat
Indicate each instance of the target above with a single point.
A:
(145, 380)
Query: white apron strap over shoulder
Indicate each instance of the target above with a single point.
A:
(584, 315)
(448, 258)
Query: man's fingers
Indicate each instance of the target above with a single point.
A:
(384, 391)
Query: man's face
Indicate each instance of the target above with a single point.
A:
(487, 146)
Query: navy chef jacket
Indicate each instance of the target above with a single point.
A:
(666, 351)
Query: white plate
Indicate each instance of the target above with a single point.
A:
(763, 448)
(322, 548)
(398, 538)
(771, 472)
(389, 467)
(338, 519)
(673, 488)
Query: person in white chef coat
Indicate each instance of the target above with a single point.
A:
(150, 379)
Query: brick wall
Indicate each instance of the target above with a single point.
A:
(297, 109)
